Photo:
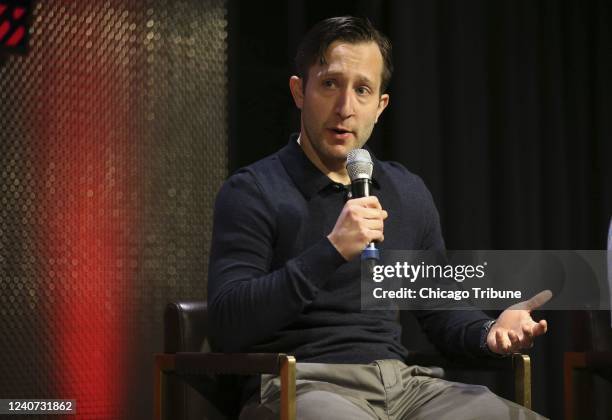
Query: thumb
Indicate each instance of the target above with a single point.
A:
(534, 302)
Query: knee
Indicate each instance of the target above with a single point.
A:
(490, 405)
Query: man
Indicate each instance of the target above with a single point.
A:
(284, 267)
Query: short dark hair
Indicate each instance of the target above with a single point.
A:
(345, 28)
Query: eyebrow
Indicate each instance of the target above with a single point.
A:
(361, 78)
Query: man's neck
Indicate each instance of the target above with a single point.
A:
(338, 174)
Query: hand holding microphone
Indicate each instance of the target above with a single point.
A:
(361, 221)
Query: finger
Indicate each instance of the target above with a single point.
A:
(371, 202)
(514, 341)
(503, 343)
(527, 340)
(506, 340)
(528, 332)
(364, 202)
(534, 302)
(375, 236)
(540, 328)
(369, 213)
(374, 224)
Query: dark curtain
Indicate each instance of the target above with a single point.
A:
(504, 108)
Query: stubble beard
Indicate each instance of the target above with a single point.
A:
(323, 149)
(329, 154)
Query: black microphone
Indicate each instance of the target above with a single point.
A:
(359, 166)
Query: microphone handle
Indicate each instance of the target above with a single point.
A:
(361, 188)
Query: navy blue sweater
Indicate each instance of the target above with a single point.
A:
(276, 283)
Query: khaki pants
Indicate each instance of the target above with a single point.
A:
(384, 389)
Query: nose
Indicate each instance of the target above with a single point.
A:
(345, 104)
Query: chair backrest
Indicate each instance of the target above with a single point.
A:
(600, 324)
(185, 326)
(185, 330)
(610, 267)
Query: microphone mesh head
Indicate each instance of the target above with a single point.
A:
(359, 164)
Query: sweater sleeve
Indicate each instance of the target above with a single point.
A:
(247, 301)
(456, 331)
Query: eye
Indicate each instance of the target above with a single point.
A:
(329, 83)
(362, 90)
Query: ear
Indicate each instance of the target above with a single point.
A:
(382, 104)
(295, 85)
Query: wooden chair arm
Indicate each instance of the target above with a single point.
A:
(519, 363)
(227, 363)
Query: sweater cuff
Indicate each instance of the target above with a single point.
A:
(474, 336)
(320, 261)
(483, 341)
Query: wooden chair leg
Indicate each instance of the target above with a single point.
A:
(571, 361)
(522, 379)
(287, 377)
(158, 383)
(164, 363)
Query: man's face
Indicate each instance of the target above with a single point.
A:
(341, 101)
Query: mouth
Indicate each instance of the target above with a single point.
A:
(340, 133)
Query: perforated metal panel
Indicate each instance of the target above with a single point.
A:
(112, 147)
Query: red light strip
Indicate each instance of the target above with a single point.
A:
(84, 212)
(12, 25)
(16, 37)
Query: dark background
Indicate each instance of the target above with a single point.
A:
(503, 108)
(114, 141)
